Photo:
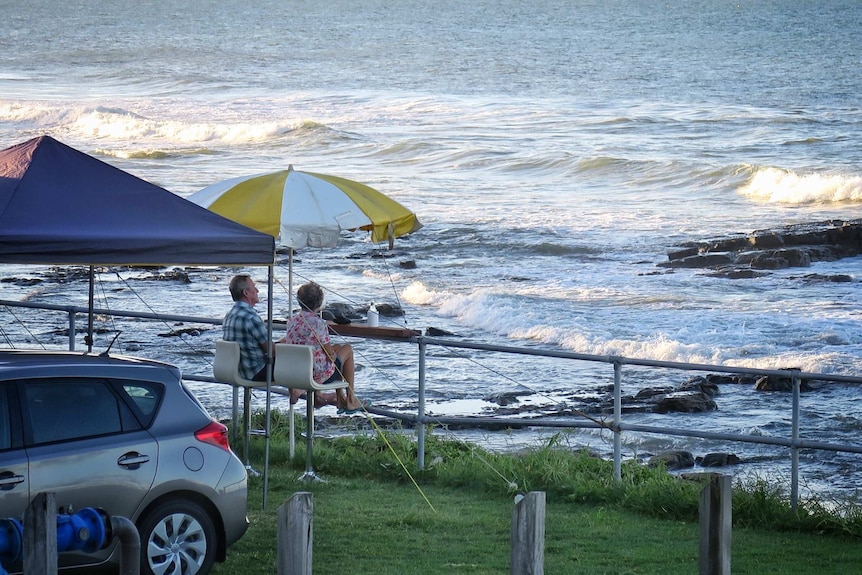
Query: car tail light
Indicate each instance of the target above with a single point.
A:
(215, 434)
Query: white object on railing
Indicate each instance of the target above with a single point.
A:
(373, 316)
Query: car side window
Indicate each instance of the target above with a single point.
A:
(71, 409)
(5, 420)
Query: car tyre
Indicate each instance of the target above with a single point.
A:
(177, 538)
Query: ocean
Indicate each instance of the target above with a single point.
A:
(555, 151)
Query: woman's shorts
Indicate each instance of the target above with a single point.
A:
(336, 375)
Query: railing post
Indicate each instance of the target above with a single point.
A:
(618, 417)
(715, 525)
(527, 553)
(40, 535)
(794, 451)
(420, 410)
(295, 534)
(72, 328)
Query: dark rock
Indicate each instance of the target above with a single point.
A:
(779, 383)
(700, 384)
(795, 245)
(672, 460)
(437, 332)
(717, 459)
(173, 275)
(650, 392)
(339, 310)
(736, 274)
(700, 261)
(21, 281)
(766, 240)
(506, 398)
(408, 264)
(682, 253)
(685, 402)
(837, 278)
(193, 331)
(389, 310)
(719, 378)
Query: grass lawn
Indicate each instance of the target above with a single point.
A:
(365, 524)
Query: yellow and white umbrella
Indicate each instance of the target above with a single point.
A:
(306, 209)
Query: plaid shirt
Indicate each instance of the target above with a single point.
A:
(243, 325)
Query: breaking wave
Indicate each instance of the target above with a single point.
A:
(776, 186)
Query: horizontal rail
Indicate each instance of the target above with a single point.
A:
(617, 426)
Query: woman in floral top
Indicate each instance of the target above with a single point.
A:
(332, 362)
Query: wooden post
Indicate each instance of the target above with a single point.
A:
(527, 556)
(295, 534)
(40, 535)
(716, 508)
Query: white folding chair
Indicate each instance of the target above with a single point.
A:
(294, 368)
(226, 369)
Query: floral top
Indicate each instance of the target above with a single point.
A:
(307, 328)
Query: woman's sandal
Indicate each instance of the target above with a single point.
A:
(362, 407)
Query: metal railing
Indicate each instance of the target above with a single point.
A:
(617, 426)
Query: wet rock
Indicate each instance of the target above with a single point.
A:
(736, 256)
(672, 460)
(177, 275)
(192, 331)
(684, 402)
(407, 264)
(700, 384)
(779, 383)
(717, 459)
(389, 310)
(506, 398)
(835, 278)
(437, 332)
(650, 392)
(24, 282)
(336, 310)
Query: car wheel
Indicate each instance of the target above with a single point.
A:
(177, 538)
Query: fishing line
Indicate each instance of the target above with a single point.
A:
(155, 313)
(362, 405)
(23, 326)
(509, 482)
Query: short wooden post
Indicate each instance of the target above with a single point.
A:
(716, 507)
(527, 556)
(40, 535)
(295, 534)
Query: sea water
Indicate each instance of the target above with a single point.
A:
(555, 152)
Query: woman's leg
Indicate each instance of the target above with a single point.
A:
(348, 368)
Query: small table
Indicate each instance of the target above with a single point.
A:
(378, 332)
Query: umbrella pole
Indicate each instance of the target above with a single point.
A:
(290, 281)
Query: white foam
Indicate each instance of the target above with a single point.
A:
(776, 186)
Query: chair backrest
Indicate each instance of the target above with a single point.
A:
(294, 366)
(226, 364)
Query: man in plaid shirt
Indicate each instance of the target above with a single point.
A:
(243, 325)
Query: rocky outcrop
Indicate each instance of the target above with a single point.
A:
(755, 254)
(681, 459)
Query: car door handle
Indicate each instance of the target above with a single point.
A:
(133, 460)
(8, 480)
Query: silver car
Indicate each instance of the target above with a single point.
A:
(127, 436)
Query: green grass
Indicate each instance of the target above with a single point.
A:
(369, 517)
